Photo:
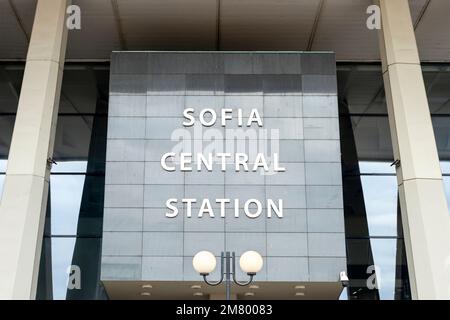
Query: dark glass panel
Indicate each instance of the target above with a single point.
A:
(385, 278)
(57, 262)
(6, 131)
(360, 87)
(10, 83)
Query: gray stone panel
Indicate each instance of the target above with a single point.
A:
(280, 269)
(121, 268)
(328, 174)
(244, 192)
(289, 128)
(155, 196)
(164, 106)
(326, 269)
(319, 84)
(126, 128)
(122, 219)
(269, 63)
(167, 84)
(154, 219)
(244, 223)
(322, 151)
(294, 175)
(246, 103)
(324, 197)
(130, 63)
(162, 268)
(233, 177)
(238, 63)
(216, 176)
(287, 245)
(205, 84)
(320, 106)
(128, 84)
(155, 175)
(321, 128)
(322, 64)
(127, 106)
(291, 150)
(245, 84)
(294, 220)
(326, 244)
(293, 196)
(125, 150)
(241, 242)
(124, 173)
(294, 93)
(155, 148)
(122, 244)
(124, 196)
(204, 224)
(325, 220)
(198, 241)
(283, 106)
(162, 244)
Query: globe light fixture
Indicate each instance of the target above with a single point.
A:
(204, 262)
(251, 262)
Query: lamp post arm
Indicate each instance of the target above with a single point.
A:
(242, 284)
(221, 273)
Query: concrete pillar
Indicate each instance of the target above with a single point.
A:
(24, 201)
(426, 222)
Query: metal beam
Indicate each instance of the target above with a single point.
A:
(115, 8)
(422, 13)
(218, 46)
(315, 25)
(19, 20)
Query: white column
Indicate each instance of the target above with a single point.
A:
(24, 201)
(426, 221)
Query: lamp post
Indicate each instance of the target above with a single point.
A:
(204, 263)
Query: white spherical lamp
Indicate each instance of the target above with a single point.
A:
(251, 262)
(204, 262)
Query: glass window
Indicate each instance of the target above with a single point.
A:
(3, 165)
(70, 167)
(447, 189)
(2, 181)
(62, 253)
(377, 167)
(361, 87)
(445, 167)
(370, 186)
(384, 253)
(65, 196)
(372, 138)
(380, 198)
(73, 137)
(441, 126)
(437, 82)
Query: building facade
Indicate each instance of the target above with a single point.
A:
(356, 116)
